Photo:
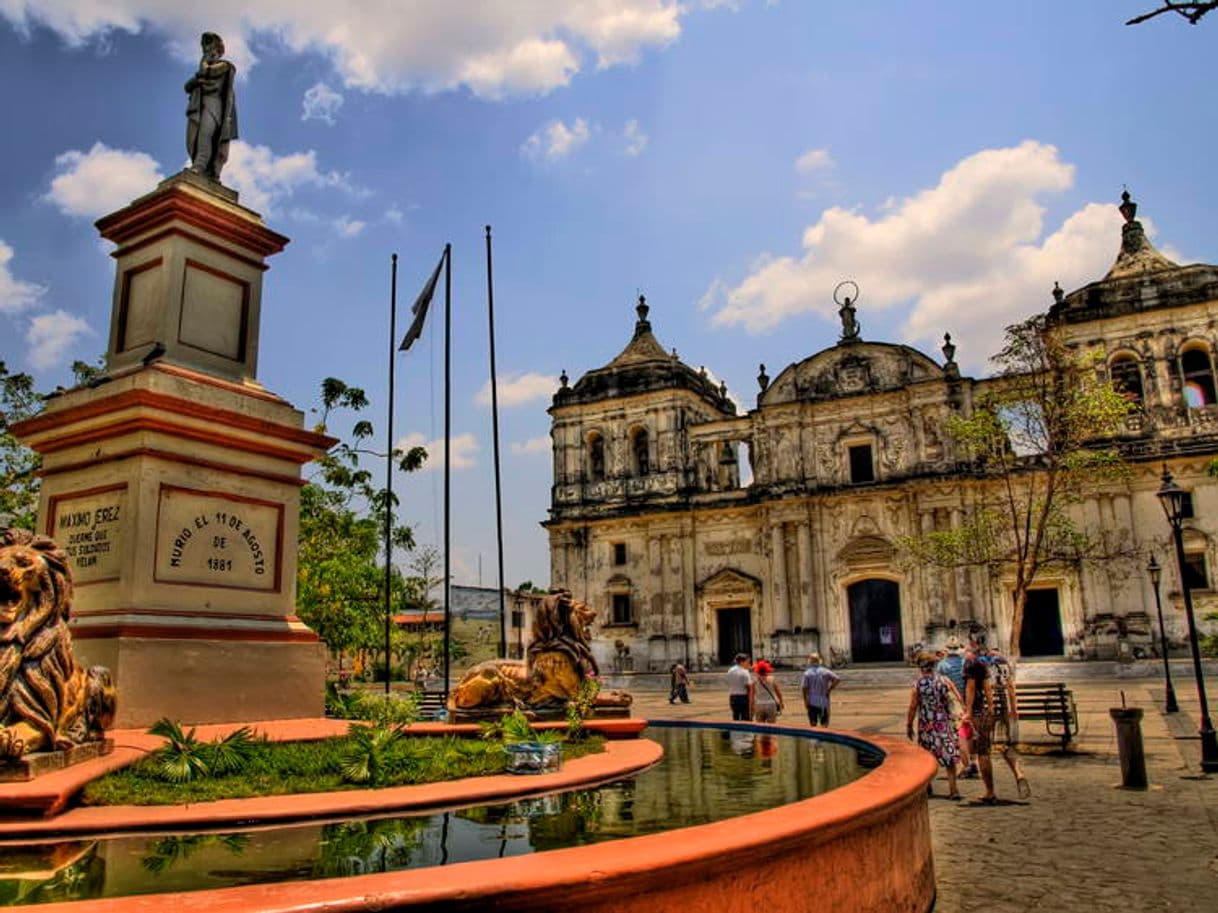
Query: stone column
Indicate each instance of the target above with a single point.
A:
(778, 585)
(964, 607)
(804, 544)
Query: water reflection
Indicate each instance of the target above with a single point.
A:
(706, 775)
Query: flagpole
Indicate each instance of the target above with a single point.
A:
(490, 316)
(393, 338)
(448, 414)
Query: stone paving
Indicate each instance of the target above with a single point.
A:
(1080, 843)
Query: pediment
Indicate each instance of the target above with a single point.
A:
(849, 370)
(729, 580)
(867, 551)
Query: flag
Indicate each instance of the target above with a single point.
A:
(420, 308)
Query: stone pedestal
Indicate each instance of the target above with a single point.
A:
(174, 483)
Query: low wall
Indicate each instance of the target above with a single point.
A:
(864, 847)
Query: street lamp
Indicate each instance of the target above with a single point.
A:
(1172, 497)
(1156, 576)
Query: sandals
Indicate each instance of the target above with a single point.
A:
(984, 800)
(1025, 788)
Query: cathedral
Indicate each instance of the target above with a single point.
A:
(687, 558)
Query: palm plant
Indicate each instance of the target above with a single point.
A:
(182, 757)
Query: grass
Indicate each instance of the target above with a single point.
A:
(283, 768)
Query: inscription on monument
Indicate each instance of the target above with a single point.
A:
(729, 547)
(88, 526)
(217, 541)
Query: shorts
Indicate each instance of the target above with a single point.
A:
(1006, 731)
(983, 733)
(818, 716)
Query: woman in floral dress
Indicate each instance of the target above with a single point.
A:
(930, 704)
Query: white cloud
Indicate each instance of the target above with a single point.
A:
(493, 49)
(814, 160)
(461, 451)
(556, 140)
(321, 103)
(265, 179)
(51, 335)
(518, 389)
(94, 183)
(15, 294)
(636, 139)
(348, 227)
(967, 256)
(394, 215)
(539, 444)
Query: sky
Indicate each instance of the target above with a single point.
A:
(734, 161)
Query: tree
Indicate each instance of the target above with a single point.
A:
(1038, 441)
(19, 481)
(341, 574)
(1193, 12)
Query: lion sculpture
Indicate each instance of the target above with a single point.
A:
(559, 659)
(48, 701)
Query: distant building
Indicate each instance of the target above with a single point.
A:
(848, 450)
(474, 623)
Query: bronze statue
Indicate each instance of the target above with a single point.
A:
(47, 700)
(559, 660)
(211, 113)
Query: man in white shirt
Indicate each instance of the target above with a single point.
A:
(740, 688)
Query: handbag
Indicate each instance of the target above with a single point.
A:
(777, 705)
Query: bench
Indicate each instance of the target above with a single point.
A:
(1051, 703)
(431, 705)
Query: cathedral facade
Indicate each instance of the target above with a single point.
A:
(847, 452)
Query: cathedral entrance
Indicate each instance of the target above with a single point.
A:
(735, 634)
(1041, 634)
(875, 621)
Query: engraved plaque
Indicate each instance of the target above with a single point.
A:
(215, 540)
(90, 527)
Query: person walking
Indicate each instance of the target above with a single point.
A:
(817, 683)
(978, 720)
(1006, 718)
(767, 696)
(740, 688)
(951, 667)
(930, 707)
(680, 684)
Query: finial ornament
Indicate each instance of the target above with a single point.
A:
(563, 379)
(763, 379)
(846, 310)
(949, 349)
(1058, 294)
(211, 112)
(1128, 208)
(642, 309)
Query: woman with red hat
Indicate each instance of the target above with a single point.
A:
(767, 696)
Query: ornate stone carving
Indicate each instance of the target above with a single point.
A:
(559, 659)
(48, 702)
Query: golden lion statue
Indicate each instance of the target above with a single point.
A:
(559, 659)
(47, 701)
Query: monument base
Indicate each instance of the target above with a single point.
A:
(29, 766)
(210, 681)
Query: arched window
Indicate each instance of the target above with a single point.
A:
(596, 457)
(639, 441)
(1198, 372)
(1127, 377)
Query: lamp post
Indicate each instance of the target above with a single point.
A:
(1171, 496)
(1155, 570)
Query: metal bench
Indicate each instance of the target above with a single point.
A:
(431, 705)
(1051, 703)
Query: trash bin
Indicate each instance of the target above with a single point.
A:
(1128, 722)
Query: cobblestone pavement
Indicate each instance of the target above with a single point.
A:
(1080, 843)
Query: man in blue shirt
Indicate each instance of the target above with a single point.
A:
(817, 682)
(951, 667)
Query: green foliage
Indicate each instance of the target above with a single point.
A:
(582, 707)
(398, 710)
(1040, 437)
(370, 757)
(341, 576)
(19, 483)
(18, 464)
(184, 758)
(1209, 642)
(169, 851)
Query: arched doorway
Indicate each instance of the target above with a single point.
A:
(875, 621)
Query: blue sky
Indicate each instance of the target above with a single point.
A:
(734, 161)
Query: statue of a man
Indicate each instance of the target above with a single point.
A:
(211, 113)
